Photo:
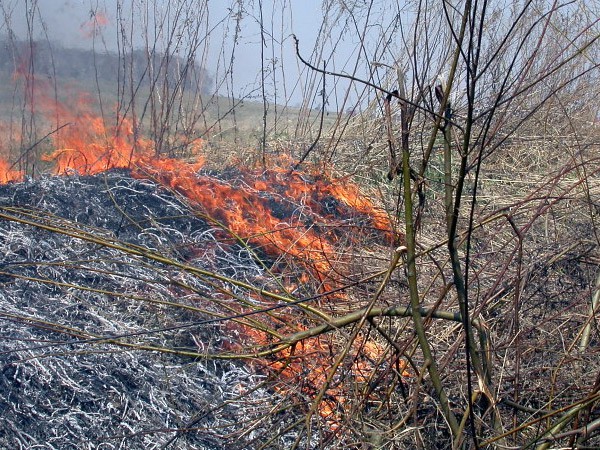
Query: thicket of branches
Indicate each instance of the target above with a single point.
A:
(475, 124)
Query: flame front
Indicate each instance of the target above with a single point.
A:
(280, 212)
(87, 146)
(8, 174)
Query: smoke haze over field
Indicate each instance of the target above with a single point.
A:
(98, 24)
(71, 22)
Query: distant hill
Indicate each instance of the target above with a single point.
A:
(52, 60)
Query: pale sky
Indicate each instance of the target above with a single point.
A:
(68, 22)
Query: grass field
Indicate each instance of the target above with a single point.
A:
(493, 214)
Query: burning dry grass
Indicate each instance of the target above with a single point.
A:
(7, 173)
(109, 282)
(188, 265)
(128, 262)
(67, 301)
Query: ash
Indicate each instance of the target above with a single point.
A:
(65, 301)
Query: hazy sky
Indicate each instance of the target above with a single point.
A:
(68, 22)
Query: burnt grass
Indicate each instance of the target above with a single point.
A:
(84, 322)
(62, 385)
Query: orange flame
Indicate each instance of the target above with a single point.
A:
(307, 227)
(91, 28)
(245, 207)
(86, 145)
(8, 174)
(308, 366)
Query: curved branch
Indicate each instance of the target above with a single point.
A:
(393, 311)
(368, 83)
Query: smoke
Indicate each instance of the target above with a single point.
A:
(71, 23)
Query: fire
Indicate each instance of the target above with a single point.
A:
(91, 28)
(306, 367)
(245, 206)
(8, 174)
(87, 145)
(281, 212)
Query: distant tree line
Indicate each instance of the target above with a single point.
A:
(51, 59)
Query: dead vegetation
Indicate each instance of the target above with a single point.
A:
(471, 322)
